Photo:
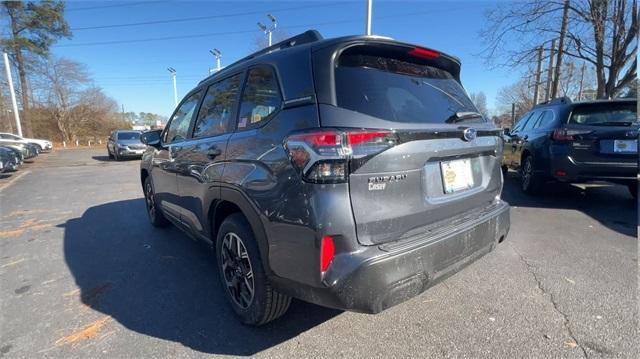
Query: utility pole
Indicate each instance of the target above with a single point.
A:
(367, 29)
(175, 87)
(581, 82)
(513, 115)
(123, 117)
(563, 33)
(547, 96)
(14, 103)
(218, 55)
(268, 30)
(536, 91)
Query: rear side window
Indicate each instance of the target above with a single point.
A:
(260, 99)
(215, 113)
(397, 90)
(605, 114)
(545, 120)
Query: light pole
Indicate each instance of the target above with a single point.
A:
(175, 88)
(367, 29)
(218, 56)
(16, 114)
(268, 30)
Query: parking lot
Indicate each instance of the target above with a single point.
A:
(83, 274)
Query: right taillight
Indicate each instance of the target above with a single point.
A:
(566, 135)
(325, 156)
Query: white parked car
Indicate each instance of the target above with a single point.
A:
(45, 145)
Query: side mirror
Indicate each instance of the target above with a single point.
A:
(506, 131)
(151, 138)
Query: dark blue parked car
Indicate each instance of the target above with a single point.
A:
(575, 142)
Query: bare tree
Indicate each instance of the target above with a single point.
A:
(34, 27)
(601, 32)
(61, 83)
(479, 99)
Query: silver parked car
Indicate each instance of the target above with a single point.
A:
(125, 144)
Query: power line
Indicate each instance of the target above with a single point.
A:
(212, 34)
(110, 6)
(198, 18)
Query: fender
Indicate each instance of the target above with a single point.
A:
(251, 214)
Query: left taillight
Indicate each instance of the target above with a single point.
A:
(326, 156)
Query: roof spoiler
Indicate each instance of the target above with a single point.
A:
(556, 101)
(306, 37)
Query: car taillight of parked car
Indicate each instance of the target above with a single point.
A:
(567, 135)
(326, 156)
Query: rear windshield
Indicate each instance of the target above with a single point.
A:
(606, 114)
(128, 135)
(400, 91)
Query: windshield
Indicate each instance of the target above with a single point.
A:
(399, 91)
(129, 135)
(605, 114)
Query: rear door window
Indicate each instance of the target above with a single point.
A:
(532, 121)
(261, 98)
(398, 90)
(217, 108)
(523, 121)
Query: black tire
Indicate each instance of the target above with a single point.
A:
(241, 268)
(505, 170)
(109, 154)
(530, 180)
(115, 156)
(156, 217)
(633, 189)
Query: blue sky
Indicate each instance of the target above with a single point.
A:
(130, 62)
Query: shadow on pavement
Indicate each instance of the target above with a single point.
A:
(611, 205)
(102, 158)
(160, 283)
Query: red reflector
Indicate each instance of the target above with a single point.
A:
(356, 138)
(561, 173)
(327, 251)
(425, 53)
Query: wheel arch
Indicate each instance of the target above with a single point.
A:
(143, 176)
(232, 201)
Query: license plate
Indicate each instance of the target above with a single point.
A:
(625, 146)
(456, 175)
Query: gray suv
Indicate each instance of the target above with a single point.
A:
(353, 173)
(124, 144)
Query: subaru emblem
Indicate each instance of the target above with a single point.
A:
(469, 134)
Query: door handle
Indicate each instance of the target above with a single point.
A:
(213, 152)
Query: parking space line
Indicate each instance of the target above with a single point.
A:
(13, 180)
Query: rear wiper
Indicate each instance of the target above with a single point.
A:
(614, 123)
(461, 116)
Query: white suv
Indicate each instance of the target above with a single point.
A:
(44, 144)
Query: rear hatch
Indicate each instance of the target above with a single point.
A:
(421, 155)
(602, 133)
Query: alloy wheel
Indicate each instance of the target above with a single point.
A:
(237, 271)
(527, 171)
(149, 198)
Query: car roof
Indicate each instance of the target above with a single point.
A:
(309, 40)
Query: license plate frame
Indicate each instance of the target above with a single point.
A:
(457, 175)
(625, 146)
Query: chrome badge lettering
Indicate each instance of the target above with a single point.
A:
(379, 183)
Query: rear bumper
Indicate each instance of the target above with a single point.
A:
(567, 169)
(380, 277)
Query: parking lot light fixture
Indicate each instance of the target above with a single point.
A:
(269, 30)
(175, 87)
(218, 55)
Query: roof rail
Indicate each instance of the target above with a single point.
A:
(555, 101)
(304, 38)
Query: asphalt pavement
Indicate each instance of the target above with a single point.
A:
(83, 274)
